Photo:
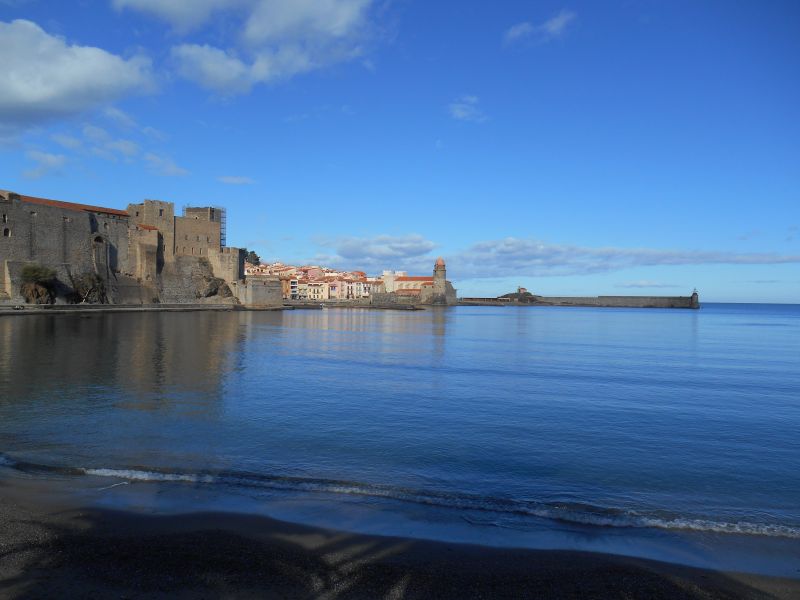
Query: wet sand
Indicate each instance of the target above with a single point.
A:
(49, 550)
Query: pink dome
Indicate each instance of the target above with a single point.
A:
(440, 262)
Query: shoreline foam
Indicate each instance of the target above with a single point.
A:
(53, 549)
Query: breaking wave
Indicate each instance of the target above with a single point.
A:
(571, 513)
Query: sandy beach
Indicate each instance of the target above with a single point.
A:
(53, 550)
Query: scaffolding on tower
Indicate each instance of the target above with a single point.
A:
(223, 225)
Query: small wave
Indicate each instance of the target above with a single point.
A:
(571, 513)
(136, 475)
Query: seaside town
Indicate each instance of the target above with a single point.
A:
(56, 252)
(319, 283)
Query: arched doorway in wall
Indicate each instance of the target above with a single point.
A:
(100, 255)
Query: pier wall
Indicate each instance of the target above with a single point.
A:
(619, 301)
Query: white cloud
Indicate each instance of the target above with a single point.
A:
(556, 26)
(183, 15)
(277, 39)
(379, 252)
(235, 180)
(126, 148)
(105, 146)
(306, 21)
(126, 122)
(513, 256)
(120, 117)
(162, 165)
(45, 163)
(44, 77)
(212, 68)
(66, 141)
(466, 108)
(520, 30)
(155, 134)
(544, 32)
(646, 283)
(96, 134)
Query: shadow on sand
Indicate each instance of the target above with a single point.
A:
(101, 553)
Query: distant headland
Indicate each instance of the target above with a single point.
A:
(523, 297)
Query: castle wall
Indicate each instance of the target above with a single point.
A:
(429, 295)
(196, 234)
(134, 252)
(145, 249)
(74, 242)
(392, 299)
(228, 263)
(161, 215)
(259, 291)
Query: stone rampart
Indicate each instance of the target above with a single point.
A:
(133, 253)
(259, 291)
(392, 299)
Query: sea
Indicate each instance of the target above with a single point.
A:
(658, 433)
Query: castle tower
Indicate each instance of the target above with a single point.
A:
(439, 281)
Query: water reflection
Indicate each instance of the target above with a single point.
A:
(149, 359)
(149, 356)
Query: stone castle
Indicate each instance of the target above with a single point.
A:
(142, 255)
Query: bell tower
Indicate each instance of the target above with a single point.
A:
(439, 281)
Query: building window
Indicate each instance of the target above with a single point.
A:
(6, 232)
(5, 218)
(105, 225)
(201, 251)
(160, 212)
(137, 213)
(198, 238)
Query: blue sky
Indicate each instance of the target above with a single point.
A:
(629, 147)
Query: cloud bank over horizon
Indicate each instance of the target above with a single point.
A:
(524, 257)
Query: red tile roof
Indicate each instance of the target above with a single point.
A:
(147, 227)
(413, 278)
(73, 206)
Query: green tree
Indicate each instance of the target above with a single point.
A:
(252, 257)
(37, 274)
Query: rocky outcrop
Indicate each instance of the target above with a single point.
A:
(37, 293)
(190, 279)
(89, 289)
(212, 286)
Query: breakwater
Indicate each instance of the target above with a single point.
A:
(620, 301)
(690, 302)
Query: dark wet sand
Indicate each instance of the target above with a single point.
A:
(51, 551)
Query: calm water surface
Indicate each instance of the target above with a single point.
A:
(621, 418)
